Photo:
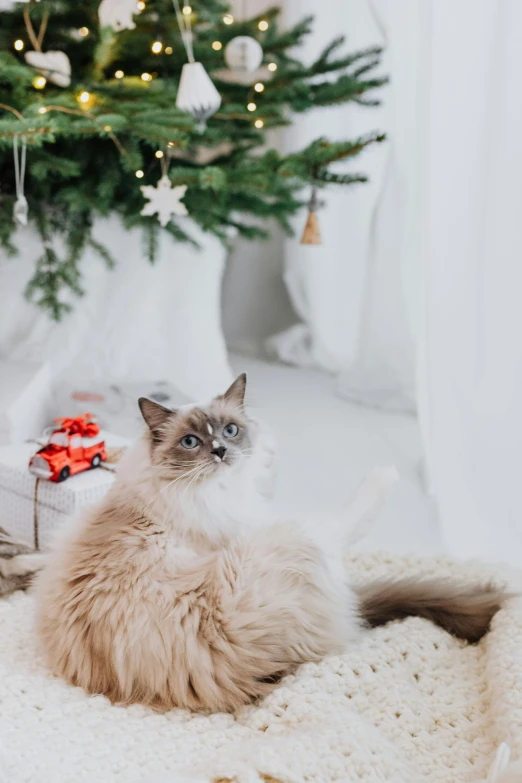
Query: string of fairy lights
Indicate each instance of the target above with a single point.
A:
(87, 99)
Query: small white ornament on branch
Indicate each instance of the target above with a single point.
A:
(197, 94)
(20, 207)
(196, 91)
(164, 199)
(55, 66)
(117, 14)
(243, 53)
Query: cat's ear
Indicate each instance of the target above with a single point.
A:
(155, 415)
(236, 392)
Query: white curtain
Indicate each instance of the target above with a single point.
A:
(352, 292)
(470, 368)
(431, 247)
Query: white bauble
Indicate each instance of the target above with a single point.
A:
(55, 66)
(197, 94)
(243, 53)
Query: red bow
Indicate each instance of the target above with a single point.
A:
(83, 425)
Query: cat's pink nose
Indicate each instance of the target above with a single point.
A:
(219, 451)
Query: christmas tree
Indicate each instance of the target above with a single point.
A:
(92, 92)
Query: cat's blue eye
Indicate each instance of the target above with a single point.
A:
(190, 442)
(231, 431)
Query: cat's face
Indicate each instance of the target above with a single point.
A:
(194, 442)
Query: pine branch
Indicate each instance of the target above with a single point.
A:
(82, 159)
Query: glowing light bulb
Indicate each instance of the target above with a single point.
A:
(251, 106)
(84, 31)
(18, 45)
(259, 87)
(259, 123)
(84, 97)
(42, 110)
(168, 50)
(156, 47)
(263, 25)
(39, 82)
(217, 45)
(159, 153)
(107, 128)
(140, 5)
(119, 74)
(272, 66)
(139, 173)
(146, 77)
(228, 19)
(187, 10)
(170, 144)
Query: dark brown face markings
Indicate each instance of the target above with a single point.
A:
(168, 430)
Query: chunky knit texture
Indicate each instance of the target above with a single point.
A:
(406, 704)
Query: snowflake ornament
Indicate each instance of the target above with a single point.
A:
(164, 200)
(117, 14)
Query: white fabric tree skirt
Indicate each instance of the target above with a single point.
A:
(408, 703)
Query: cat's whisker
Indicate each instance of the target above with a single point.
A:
(191, 475)
(194, 479)
(174, 481)
(203, 469)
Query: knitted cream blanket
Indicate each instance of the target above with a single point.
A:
(407, 704)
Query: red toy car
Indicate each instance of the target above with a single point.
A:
(72, 448)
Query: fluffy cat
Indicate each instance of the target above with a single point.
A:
(179, 590)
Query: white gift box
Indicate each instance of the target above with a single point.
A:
(33, 510)
(25, 392)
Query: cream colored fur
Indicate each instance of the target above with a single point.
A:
(181, 590)
(189, 593)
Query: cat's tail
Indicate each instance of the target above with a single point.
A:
(463, 610)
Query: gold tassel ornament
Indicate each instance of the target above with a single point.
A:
(312, 233)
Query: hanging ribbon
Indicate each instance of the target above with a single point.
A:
(35, 40)
(185, 30)
(20, 207)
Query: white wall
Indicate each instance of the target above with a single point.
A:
(255, 301)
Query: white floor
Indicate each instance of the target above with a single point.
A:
(326, 446)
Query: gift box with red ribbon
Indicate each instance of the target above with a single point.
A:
(34, 509)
